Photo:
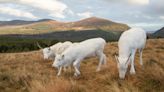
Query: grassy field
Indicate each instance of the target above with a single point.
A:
(25, 30)
(28, 72)
(43, 28)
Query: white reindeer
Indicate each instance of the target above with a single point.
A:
(77, 52)
(52, 51)
(129, 42)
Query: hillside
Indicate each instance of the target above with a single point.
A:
(159, 33)
(46, 26)
(19, 22)
(100, 23)
(28, 72)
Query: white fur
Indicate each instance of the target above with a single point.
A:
(129, 42)
(77, 52)
(50, 52)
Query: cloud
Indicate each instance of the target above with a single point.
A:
(85, 14)
(161, 17)
(59, 15)
(54, 8)
(142, 13)
(16, 12)
(155, 7)
(139, 2)
(148, 26)
(133, 2)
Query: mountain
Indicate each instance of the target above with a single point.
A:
(96, 23)
(93, 23)
(48, 25)
(159, 33)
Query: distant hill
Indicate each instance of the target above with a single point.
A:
(20, 22)
(93, 21)
(48, 25)
(99, 23)
(159, 33)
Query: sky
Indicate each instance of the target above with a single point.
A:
(147, 14)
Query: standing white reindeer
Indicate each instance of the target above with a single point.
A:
(129, 42)
(77, 52)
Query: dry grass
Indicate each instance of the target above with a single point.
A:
(28, 72)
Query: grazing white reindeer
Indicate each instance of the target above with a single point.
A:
(52, 51)
(129, 42)
(77, 52)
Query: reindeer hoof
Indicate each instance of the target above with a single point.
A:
(132, 72)
(98, 70)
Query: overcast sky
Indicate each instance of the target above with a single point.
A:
(148, 14)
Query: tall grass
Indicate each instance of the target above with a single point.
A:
(28, 72)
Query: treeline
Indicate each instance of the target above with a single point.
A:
(12, 44)
(19, 43)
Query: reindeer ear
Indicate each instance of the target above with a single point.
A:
(116, 57)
